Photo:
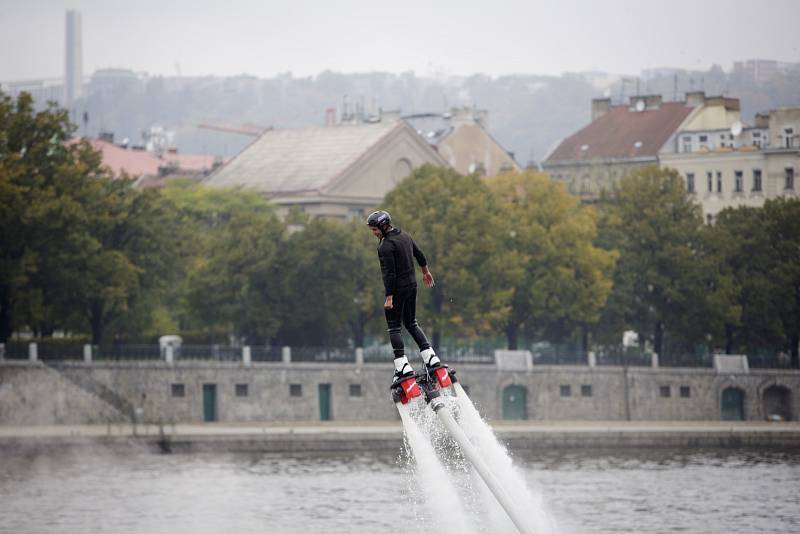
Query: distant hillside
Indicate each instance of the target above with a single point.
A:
(528, 114)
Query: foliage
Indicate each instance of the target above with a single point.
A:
(561, 279)
(454, 219)
(668, 279)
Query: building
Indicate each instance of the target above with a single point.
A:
(73, 61)
(42, 91)
(151, 168)
(622, 138)
(743, 166)
(762, 70)
(462, 138)
(339, 171)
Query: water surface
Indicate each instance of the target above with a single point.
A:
(96, 490)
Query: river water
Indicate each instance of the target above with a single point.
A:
(617, 491)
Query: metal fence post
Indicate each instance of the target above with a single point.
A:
(654, 360)
(247, 357)
(286, 354)
(87, 353)
(33, 352)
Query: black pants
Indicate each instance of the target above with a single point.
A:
(404, 311)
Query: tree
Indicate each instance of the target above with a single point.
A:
(783, 220)
(232, 284)
(668, 279)
(561, 279)
(32, 149)
(331, 278)
(455, 221)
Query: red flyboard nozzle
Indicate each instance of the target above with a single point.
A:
(443, 377)
(409, 389)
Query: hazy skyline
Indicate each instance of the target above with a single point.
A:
(436, 37)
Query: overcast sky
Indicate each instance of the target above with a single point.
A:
(305, 37)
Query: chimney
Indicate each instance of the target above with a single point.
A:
(695, 98)
(653, 101)
(762, 120)
(600, 106)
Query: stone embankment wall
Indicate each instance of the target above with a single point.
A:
(34, 393)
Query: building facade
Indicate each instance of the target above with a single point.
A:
(743, 166)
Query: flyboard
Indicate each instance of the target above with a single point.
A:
(431, 383)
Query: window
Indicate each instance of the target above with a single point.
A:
(241, 390)
(586, 390)
(788, 134)
(703, 139)
(665, 391)
(709, 219)
(566, 391)
(710, 177)
(355, 390)
(690, 182)
(738, 179)
(719, 182)
(757, 139)
(685, 392)
(355, 213)
(178, 390)
(756, 179)
(295, 390)
(789, 178)
(687, 143)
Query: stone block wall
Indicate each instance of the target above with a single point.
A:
(101, 392)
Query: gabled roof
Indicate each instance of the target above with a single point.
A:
(623, 133)
(303, 159)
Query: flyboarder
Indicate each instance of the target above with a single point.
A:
(396, 252)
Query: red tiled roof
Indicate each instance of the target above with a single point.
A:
(141, 163)
(616, 134)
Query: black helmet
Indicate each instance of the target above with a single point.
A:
(379, 219)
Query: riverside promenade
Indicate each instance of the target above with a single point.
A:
(382, 436)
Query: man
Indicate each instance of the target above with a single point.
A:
(396, 252)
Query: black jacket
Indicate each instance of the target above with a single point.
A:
(397, 252)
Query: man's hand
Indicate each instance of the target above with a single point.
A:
(387, 304)
(427, 277)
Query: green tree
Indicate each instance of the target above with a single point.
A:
(32, 149)
(783, 221)
(743, 237)
(455, 221)
(561, 279)
(668, 279)
(332, 278)
(232, 283)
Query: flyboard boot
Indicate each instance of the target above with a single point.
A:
(436, 369)
(404, 383)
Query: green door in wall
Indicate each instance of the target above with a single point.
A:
(732, 405)
(514, 402)
(325, 402)
(209, 402)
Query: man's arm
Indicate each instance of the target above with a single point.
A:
(389, 271)
(427, 277)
